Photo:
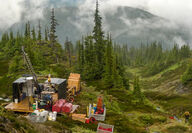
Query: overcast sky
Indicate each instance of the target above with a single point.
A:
(178, 11)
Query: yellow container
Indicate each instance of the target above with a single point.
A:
(87, 111)
(94, 105)
(92, 111)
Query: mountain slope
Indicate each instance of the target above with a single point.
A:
(126, 24)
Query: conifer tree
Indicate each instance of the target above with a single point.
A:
(82, 52)
(11, 35)
(98, 36)
(5, 37)
(39, 32)
(26, 30)
(29, 30)
(33, 34)
(68, 46)
(18, 36)
(46, 34)
(87, 50)
(80, 56)
(185, 52)
(15, 64)
(18, 40)
(175, 52)
(137, 90)
(117, 79)
(187, 76)
(108, 64)
(52, 35)
(90, 70)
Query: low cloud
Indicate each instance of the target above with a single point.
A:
(177, 15)
(176, 10)
(12, 11)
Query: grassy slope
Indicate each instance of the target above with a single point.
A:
(122, 111)
(166, 90)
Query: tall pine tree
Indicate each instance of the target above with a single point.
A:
(39, 32)
(98, 36)
(29, 30)
(108, 64)
(26, 30)
(80, 56)
(137, 90)
(33, 34)
(52, 34)
(46, 34)
(68, 46)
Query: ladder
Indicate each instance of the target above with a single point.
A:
(30, 67)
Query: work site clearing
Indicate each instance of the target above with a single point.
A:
(45, 104)
(44, 101)
(152, 114)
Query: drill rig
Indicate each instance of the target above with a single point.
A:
(31, 70)
(27, 90)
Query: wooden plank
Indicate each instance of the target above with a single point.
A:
(22, 106)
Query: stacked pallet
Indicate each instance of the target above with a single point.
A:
(74, 81)
(79, 117)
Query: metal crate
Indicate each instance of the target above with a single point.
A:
(104, 126)
(98, 117)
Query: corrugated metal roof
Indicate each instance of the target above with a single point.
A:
(22, 79)
(56, 81)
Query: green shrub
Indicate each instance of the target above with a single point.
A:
(150, 120)
(3, 67)
(177, 129)
(61, 70)
(161, 119)
(6, 85)
(147, 119)
(187, 76)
